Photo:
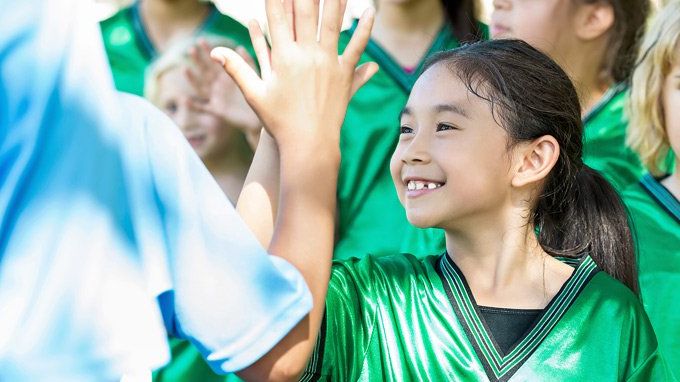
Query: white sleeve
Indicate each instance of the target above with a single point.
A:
(231, 299)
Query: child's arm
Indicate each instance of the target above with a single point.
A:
(259, 198)
(301, 99)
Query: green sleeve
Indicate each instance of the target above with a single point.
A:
(652, 369)
(347, 325)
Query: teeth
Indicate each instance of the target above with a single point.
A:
(413, 185)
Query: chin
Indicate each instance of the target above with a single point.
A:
(420, 221)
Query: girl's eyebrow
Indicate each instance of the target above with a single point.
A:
(405, 111)
(452, 108)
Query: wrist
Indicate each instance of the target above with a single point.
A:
(312, 157)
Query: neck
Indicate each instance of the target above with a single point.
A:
(672, 183)
(230, 171)
(174, 10)
(498, 255)
(504, 264)
(234, 158)
(419, 17)
(584, 70)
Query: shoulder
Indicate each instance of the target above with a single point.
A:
(389, 273)
(605, 291)
(228, 27)
(119, 18)
(118, 30)
(637, 200)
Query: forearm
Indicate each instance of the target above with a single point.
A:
(304, 237)
(257, 204)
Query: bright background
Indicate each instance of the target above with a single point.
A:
(244, 10)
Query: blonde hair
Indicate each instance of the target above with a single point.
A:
(177, 55)
(647, 133)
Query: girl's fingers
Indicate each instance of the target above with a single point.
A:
(199, 56)
(198, 106)
(306, 19)
(246, 56)
(290, 16)
(331, 22)
(261, 49)
(279, 29)
(194, 80)
(244, 76)
(362, 74)
(357, 44)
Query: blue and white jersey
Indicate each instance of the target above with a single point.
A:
(111, 228)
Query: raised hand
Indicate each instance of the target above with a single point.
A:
(301, 97)
(218, 94)
(303, 91)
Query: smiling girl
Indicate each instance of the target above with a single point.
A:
(490, 150)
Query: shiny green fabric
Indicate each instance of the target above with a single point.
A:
(130, 50)
(370, 217)
(655, 214)
(393, 319)
(604, 140)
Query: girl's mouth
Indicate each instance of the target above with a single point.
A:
(415, 188)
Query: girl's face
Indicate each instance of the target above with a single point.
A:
(671, 104)
(451, 163)
(207, 134)
(544, 24)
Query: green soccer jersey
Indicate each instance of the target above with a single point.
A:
(604, 140)
(655, 215)
(400, 318)
(130, 50)
(370, 217)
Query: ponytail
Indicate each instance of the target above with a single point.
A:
(591, 219)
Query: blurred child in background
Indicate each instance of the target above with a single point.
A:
(208, 107)
(595, 42)
(654, 202)
(138, 34)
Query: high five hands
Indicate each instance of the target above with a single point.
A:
(301, 98)
(304, 88)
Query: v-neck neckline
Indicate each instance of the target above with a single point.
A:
(498, 365)
(145, 43)
(662, 195)
(390, 66)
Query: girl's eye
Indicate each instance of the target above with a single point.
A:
(445, 126)
(405, 130)
(171, 107)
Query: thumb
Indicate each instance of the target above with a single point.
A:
(362, 74)
(244, 76)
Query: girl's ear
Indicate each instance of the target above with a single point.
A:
(593, 21)
(535, 161)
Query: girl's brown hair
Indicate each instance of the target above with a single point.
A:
(530, 96)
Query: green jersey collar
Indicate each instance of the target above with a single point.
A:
(662, 195)
(608, 96)
(500, 366)
(393, 69)
(145, 44)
